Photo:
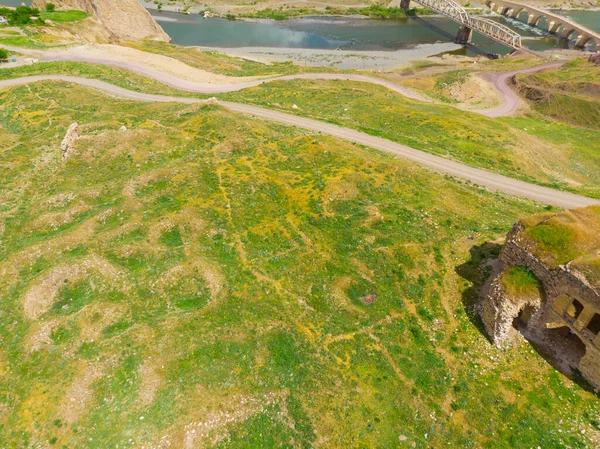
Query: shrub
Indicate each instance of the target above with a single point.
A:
(50, 7)
(3, 54)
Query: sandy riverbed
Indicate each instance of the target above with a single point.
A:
(341, 59)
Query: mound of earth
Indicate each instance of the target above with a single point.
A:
(124, 20)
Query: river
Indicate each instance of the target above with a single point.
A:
(348, 33)
(345, 33)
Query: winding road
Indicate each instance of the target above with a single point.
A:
(510, 101)
(478, 176)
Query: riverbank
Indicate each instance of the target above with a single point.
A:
(287, 9)
(340, 59)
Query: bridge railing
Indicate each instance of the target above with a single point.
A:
(495, 30)
(448, 8)
(487, 27)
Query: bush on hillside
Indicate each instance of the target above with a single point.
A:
(19, 16)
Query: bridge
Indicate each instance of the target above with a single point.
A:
(557, 24)
(454, 11)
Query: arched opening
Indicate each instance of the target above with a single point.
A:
(522, 319)
(570, 35)
(541, 23)
(590, 45)
(559, 30)
(522, 15)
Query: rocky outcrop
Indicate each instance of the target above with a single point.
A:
(125, 20)
(68, 143)
(564, 314)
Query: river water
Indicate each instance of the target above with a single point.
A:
(347, 33)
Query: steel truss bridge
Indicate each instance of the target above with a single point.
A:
(489, 28)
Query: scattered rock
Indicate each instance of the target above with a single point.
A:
(295, 107)
(123, 128)
(68, 143)
(595, 58)
(368, 299)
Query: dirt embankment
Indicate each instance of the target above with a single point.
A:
(576, 102)
(124, 20)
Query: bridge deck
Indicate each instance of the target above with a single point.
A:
(489, 28)
(514, 9)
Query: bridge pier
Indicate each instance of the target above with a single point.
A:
(533, 19)
(553, 26)
(582, 39)
(566, 32)
(464, 35)
(405, 5)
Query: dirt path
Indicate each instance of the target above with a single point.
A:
(511, 102)
(179, 75)
(478, 176)
(232, 84)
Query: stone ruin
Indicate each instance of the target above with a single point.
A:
(562, 315)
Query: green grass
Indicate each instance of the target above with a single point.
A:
(217, 62)
(215, 266)
(570, 93)
(569, 161)
(114, 75)
(373, 12)
(510, 146)
(20, 41)
(564, 237)
(64, 16)
(519, 282)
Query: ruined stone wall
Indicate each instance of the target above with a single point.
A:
(554, 308)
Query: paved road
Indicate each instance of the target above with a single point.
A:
(481, 177)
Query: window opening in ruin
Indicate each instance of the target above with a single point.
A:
(522, 319)
(564, 345)
(594, 324)
(575, 309)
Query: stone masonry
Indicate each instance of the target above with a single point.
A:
(566, 300)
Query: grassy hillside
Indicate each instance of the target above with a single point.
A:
(533, 148)
(209, 278)
(570, 94)
(217, 62)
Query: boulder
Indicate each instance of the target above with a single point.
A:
(68, 143)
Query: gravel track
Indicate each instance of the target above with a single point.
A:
(477, 176)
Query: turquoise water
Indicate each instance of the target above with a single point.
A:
(346, 33)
